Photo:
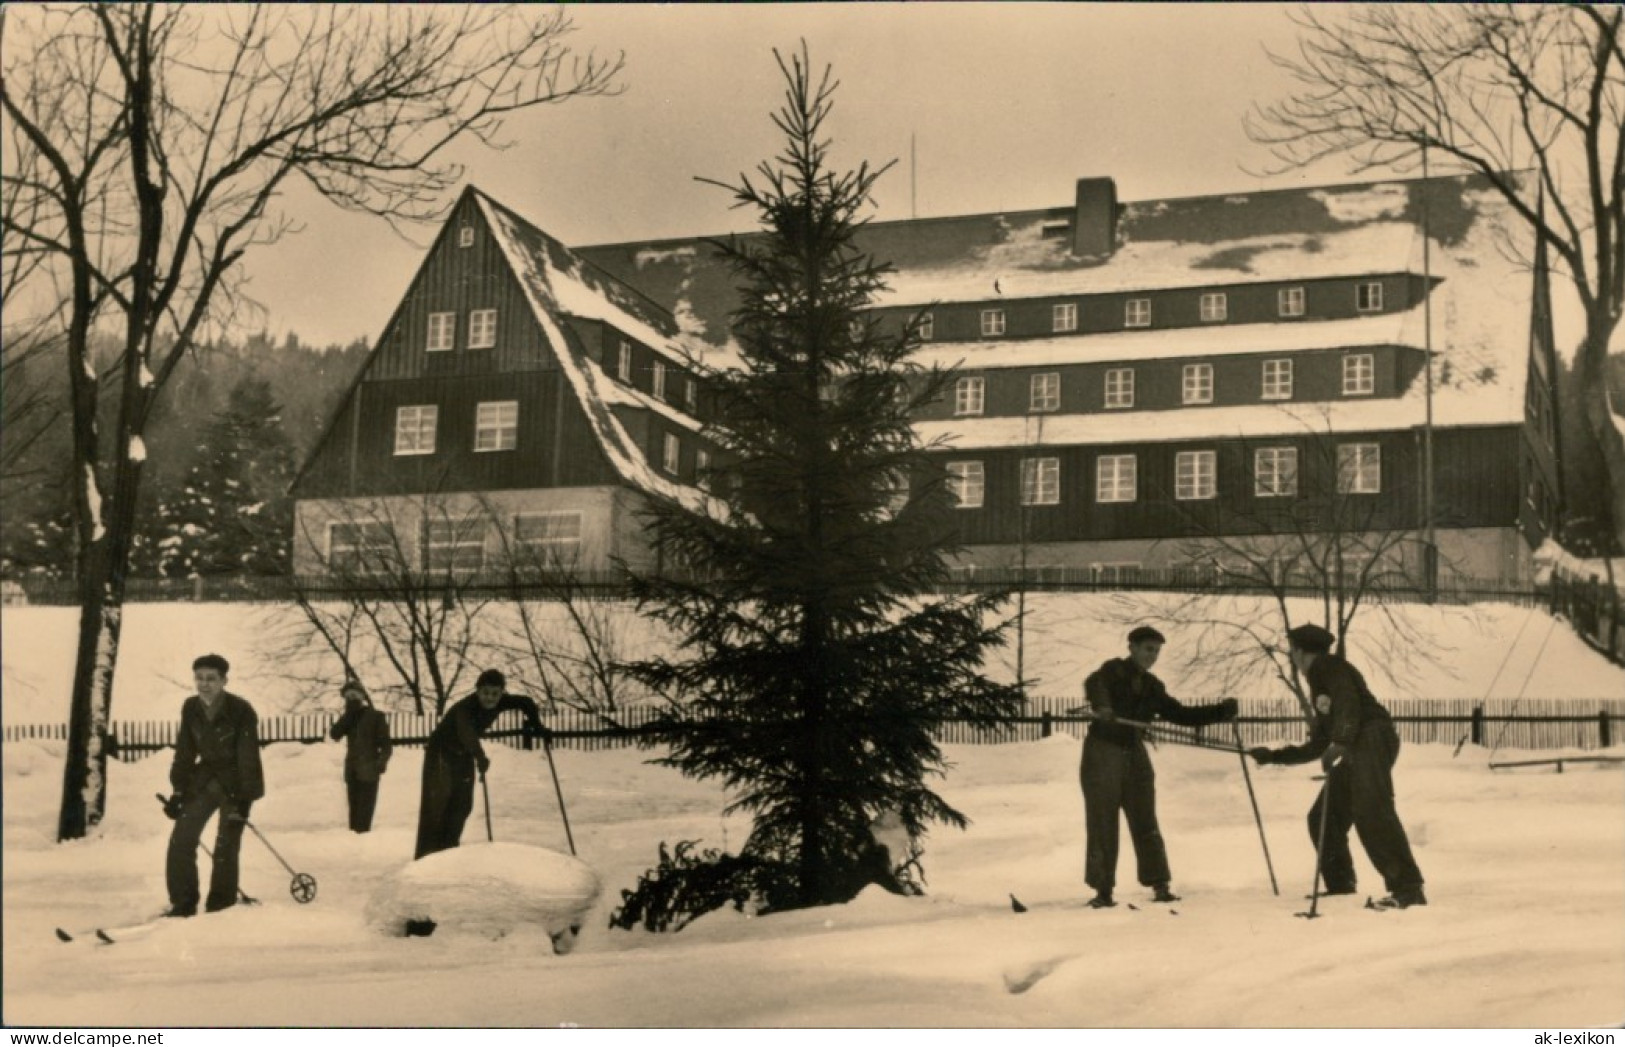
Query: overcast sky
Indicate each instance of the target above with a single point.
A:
(1008, 105)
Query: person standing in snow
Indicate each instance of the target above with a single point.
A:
(216, 768)
(1116, 772)
(366, 756)
(1355, 739)
(453, 755)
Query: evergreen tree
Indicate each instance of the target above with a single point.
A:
(231, 514)
(816, 666)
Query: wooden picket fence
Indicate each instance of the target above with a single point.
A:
(1526, 723)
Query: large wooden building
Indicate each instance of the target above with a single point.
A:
(1140, 386)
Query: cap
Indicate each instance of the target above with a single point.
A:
(1311, 638)
(1145, 632)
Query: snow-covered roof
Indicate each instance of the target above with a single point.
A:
(557, 284)
(1478, 255)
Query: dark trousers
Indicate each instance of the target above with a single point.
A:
(1119, 778)
(180, 865)
(363, 802)
(1360, 794)
(448, 799)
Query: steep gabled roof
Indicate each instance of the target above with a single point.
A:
(558, 283)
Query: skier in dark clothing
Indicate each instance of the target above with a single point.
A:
(1354, 737)
(366, 756)
(1116, 772)
(216, 767)
(454, 753)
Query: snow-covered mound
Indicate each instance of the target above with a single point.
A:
(488, 889)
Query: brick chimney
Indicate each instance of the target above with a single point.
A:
(1094, 226)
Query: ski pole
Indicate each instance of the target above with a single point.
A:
(241, 894)
(1158, 731)
(547, 747)
(303, 885)
(1247, 776)
(486, 790)
(1320, 848)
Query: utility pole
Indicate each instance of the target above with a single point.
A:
(1430, 552)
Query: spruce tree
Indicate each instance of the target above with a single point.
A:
(815, 664)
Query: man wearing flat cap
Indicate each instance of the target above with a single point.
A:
(1354, 737)
(1116, 773)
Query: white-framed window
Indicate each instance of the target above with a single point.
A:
(1289, 301)
(1277, 379)
(623, 361)
(1040, 481)
(1137, 313)
(1275, 472)
(465, 236)
(927, 327)
(1120, 387)
(702, 468)
(854, 330)
(1115, 572)
(414, 428)
(691, 395)
(1044, 392)
(1359, 374)
(1215, 306)
(442, 332)
(496, 425)
(1064, 316)
(554, 537)
(1368, 296)
(482, 328)
(1196, 384)
(1115, 476)
(365, 547)
(992, 322)
(670, 452)
(454, 545)
(970, 395)
(1195, 475)
(1359, 468)
(967, 482)
(660, 380)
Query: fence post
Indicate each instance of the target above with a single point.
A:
(1605, 729)
(1478, 725)
(1045, 726)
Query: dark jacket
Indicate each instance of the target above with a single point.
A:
(1134, 694)
(367, 756)
(456, 739)
(1344, 706)
(226, 749)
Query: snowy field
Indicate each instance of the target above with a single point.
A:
(1525, 869)
(1526, 874)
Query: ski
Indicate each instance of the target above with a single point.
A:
(110, 935)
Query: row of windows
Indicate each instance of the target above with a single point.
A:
(371, 547)
(496, 428)
(1214, 307)
(482, 330)
(1196, 385)
(1275, 475)
(663, 378)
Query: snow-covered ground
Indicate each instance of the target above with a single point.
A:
(1407, 651)
(1526, 926)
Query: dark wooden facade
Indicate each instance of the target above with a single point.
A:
(1476, 485)
(1250, 303)
(1317, 377)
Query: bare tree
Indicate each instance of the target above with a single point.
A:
(159, 139)
(1530, 97)
(566, 637)
(1309, 532)
(402, 581)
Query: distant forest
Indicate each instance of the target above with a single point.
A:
(227, 438)
(239, 419)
